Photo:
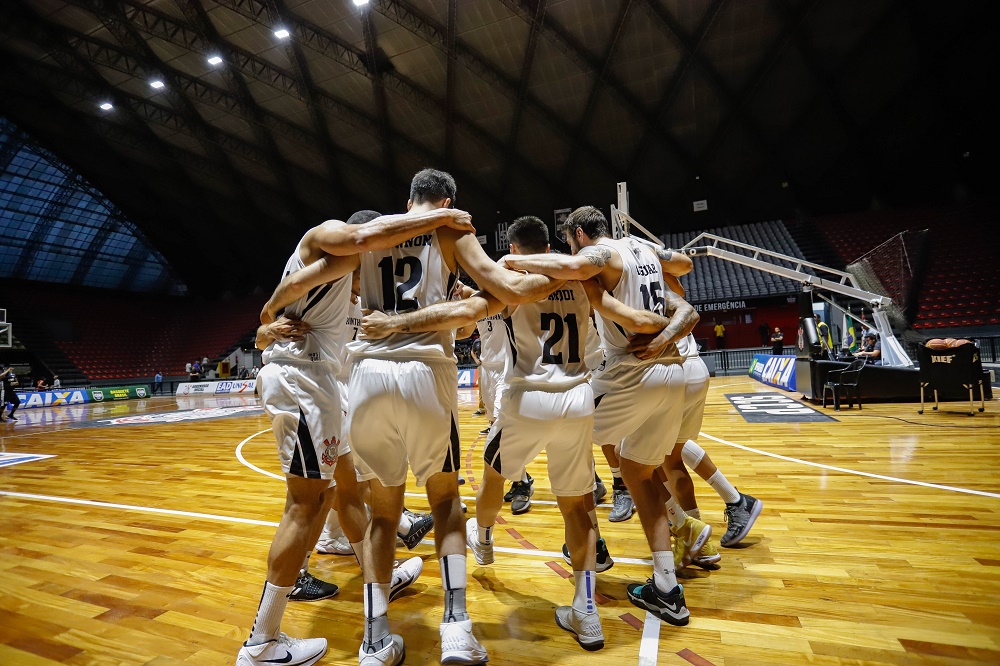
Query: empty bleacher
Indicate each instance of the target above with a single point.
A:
(117, 335)
(716, 280)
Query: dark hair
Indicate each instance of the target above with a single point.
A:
(529, 233)
(590, 219)
(431, 185)
(363, 217)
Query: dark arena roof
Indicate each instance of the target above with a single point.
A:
(221, 129)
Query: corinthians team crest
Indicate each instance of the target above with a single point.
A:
(330, 452)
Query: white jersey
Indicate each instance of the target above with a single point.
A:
(409, 276)
(352, 326)
(547, 340)
(324, 308)
(640, 287)
(492, 341)
(595, 353)
(687, 347)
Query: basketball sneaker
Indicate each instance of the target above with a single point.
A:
(604, 561)
(310, 588)
(334, 543)
(393, 653)
(482, 551)
(600, 490)
(459, 645)
(420, 525)
(479, 412)
(740, 517)
(521, 493)
(669, 607)
(283, 650)
(585, 626)
(693, 534)
(708, 557)
(622, 505)
(509, 495)
(404, 575)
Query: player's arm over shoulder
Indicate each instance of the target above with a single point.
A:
(438, 317)
(336, 238)
(297, 284)
(638, 321)
(673, 262)
(583, 265)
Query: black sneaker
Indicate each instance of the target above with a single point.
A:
(485, 431)
(419, 527)
(604, 561)
(310, 588)
(600, 490)
(740, 517)
(521, 494)
(509, 496)
(670, 607)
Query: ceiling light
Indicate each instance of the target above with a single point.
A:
(281, 33)
(361, 3)
(156, 84)
(214, 60)
(107, 106)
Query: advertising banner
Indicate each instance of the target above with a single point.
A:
(777, 371)
(31, 399)
(468, 377)
(234, 387)
(110, 393)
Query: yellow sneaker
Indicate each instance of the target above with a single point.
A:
(708, 557)
(680, 550)
(694, 534)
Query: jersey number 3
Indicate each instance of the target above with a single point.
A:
(552, 321)
(394, 296)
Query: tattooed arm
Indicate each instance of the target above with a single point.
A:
(674, 263)
(683, 319)
(583, 265)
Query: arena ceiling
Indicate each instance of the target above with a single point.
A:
(762, 108)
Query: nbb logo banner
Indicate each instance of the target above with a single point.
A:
(52, 398)
(777, 371)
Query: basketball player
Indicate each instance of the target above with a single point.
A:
(547, 404)
(639, 401)
(300, 396)
(412, 377)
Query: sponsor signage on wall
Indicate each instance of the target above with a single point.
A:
(52, 398)
(111, 393)
(468, 377)
(236, 387)
(777, 371)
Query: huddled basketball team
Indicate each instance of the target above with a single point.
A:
(354, 413)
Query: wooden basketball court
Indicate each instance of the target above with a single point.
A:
(146, 544)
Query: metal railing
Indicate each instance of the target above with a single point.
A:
(737, 361)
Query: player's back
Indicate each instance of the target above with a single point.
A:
(548, 340)
(641, 287)
(493, 341)
(407, 277)
(325, 309)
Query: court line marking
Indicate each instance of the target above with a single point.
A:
(649, 645)
(844, 470)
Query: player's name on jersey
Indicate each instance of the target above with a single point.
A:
(646, 269)
(353, 321)
(562, 295)
(418, 241)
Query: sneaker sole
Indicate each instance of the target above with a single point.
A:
(709, 564)
(461, 658)
(757, 508)
(475, 555)
(590, 644)
(518, 511)
(695, 547)
(414, 537)
(329, 596)
(402, 657)
(658, 612)
(621, 519)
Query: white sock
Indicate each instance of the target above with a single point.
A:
(675, 514)
(694, 513)
(272, 607)
(617, 473)
(453, 581)
(583, 599)
(722, 486)
(485, 533)
(664, 578)
(377, 634)
(524, 476)
(359, 553)
(403, 528)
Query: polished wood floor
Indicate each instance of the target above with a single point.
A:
(145, 544)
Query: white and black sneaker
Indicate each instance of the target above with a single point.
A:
(420, 525)
(483, 552)
(740, 517)
(283, 650)
(391, 654)
(604, 561)
(310, 588)
(670, 608)
(459, 644)
(404, 575)
(521, 493)
(585, 626)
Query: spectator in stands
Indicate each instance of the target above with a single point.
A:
(764, 329)
(196, 371)
(40, 384)
(777, 342)
(720, 335)
(253, 373)
(871, 349)
(9, 381)
(56, 384)
(158, 383)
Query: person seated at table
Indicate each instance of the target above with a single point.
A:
(871, 349)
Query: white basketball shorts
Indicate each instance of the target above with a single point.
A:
(303, 403)
(641, 407)
(403, 413)
(559, 422)
(695, 391)
(491, 382)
